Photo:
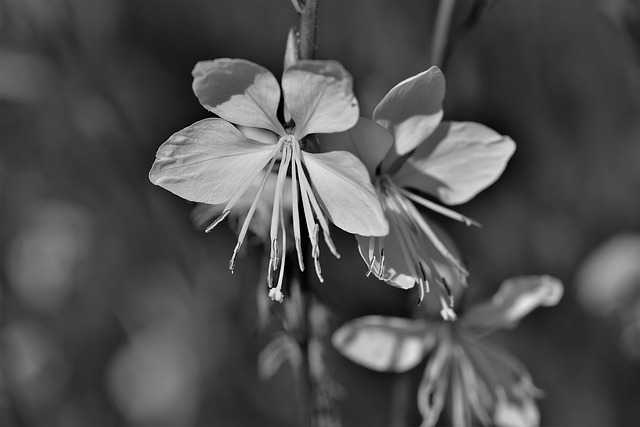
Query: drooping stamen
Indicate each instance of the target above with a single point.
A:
(318, 211)
(316, 255)
(308, 215)
(371, 263)
(275, 257)
(239, 194)
(276, 293)
(296, 218)
(217, 221)
(424, 277)
(249, 217)
(426, 229)
(381, 272)
(438, 208)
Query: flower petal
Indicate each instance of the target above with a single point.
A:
(209, 162)
(239, 91)
(385, 344)
(319, 96)
(516, 298)
(367, 140)
(343, 186)
(412, 109)
(456, 162)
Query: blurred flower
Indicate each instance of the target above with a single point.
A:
(154, 379)
(34, 364)
(45, 260)
(407, 146)
(483, 383)
(609, 285)
(214, 162)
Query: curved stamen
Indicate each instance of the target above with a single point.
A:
(276, 293)
(428, 231)
(275, 257)
(308, 215)
(318, 211)
(296, 218)
(249, 217)
(438, 208)
(239, 194)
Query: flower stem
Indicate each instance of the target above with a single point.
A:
(441, 31)
(308, 25)
(318, 394)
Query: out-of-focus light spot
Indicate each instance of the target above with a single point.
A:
(609, 285)
(154, 380)
(45, 256)
(35, 366)
(25, 78)
(609, 278)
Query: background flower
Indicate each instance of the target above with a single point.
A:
(481, 383)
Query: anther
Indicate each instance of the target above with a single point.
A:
(217, 221)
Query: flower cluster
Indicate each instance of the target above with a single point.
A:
(367, 177)
(483, 383)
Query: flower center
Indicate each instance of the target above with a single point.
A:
(411, 233)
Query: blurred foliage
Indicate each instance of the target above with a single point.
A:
(116, 310)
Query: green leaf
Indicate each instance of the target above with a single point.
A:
(239, 91)
(209, 162)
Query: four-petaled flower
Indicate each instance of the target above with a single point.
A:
(407, 146)
(214, 162)
(483, 383)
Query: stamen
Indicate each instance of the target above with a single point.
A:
(273, 255)
(424, 277)
(308, 216)
(239, 194)
(252, 210)
(439, 208)
(316, 255)
(217, 221)
(424, 226)
(381, 272)
(277, 208)
(276, 293)
(318, 211)
(447, 313)
(296, 217)
(370, 267)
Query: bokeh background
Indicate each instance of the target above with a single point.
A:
(117, 310)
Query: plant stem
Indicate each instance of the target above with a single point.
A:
(441, 31)
(318, 407)
(308, 25)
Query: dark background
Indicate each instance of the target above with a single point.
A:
(116, 310)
